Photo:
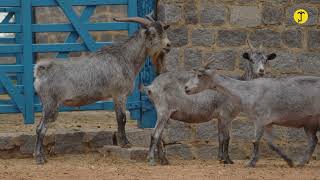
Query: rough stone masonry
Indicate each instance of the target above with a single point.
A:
(220, 28)
(204, 28)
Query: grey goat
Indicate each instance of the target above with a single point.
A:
(108, 73)
(168, 95)
(290, 102)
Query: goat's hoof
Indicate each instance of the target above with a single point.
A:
(40, 160)
(300, 164)
(152, 162)
(228, 161)
(250, 164)
(164, 161)
(125, 145)
(290, 163)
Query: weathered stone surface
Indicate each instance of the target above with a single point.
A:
(242, 130)
(192, 58)
(176, 131)
(309, 63)
(314, 39)
(179, 151)
(6, 142)
(207, 131)
(178, 36)
(286, 62)
(312, 11)
(69, 142)
(172, 60)
(138, 154)
(223, 59)
(231, 38)
(245, 16)
(99, 139)
(246, 1)
(266, 37)
(139, 137)
(202, 37)
(272, 14)
(211, 13)
(170, 13)
(206, 152)
(292, 38)
(28, 145)
(190, 12)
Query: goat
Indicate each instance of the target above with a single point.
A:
(290, 102)
(170, 100)
(108, 73)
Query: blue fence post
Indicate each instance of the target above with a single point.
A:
(26, 8)
(149, 116)
(135, 113)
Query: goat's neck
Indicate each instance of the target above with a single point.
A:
(248, 74)
(136, 52)
(239, 90)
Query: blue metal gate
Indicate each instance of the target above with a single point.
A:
(16, 80)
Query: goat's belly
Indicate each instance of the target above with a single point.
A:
(189, 118)
(81, 101)
(312, 121)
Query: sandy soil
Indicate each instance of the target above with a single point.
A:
(77, 120)
(95, 166)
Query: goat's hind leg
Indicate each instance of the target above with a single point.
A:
(161, 154)
(49, 114)
(156, 137)
(312, 142)
(269, 138)
(256, 145)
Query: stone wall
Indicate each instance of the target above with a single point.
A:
(220, 28)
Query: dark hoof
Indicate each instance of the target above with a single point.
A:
(152, 162)
(40, 160)
(164, 161)
(250, 164)
(291, 164)
(228, 161)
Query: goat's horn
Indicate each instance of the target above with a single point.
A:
(250, 46)
(139, 20)
(260, 48)
(206, 65)
(151, 16)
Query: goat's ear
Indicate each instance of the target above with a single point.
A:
(271, 56)
(246, 56)
(167, 26)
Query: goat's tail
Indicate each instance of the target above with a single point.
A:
(41, 68)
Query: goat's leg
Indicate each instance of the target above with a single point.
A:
(119, 105)
(161, 154)
(224, 129)
(220, 138)
(312, 142)
(49, 114)
(269, 138)
(256, 143)
(156, 135)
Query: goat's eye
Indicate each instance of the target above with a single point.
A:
(199, 75)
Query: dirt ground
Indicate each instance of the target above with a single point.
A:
(76, 120)
(95, 166)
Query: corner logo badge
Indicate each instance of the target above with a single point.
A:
(301, 16)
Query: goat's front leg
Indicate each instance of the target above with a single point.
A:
(259, 130)
(49, 114)
(119, 105)
(312, 142)
(269, 137)
(224, 125)
(156, 136)
(161, 154)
